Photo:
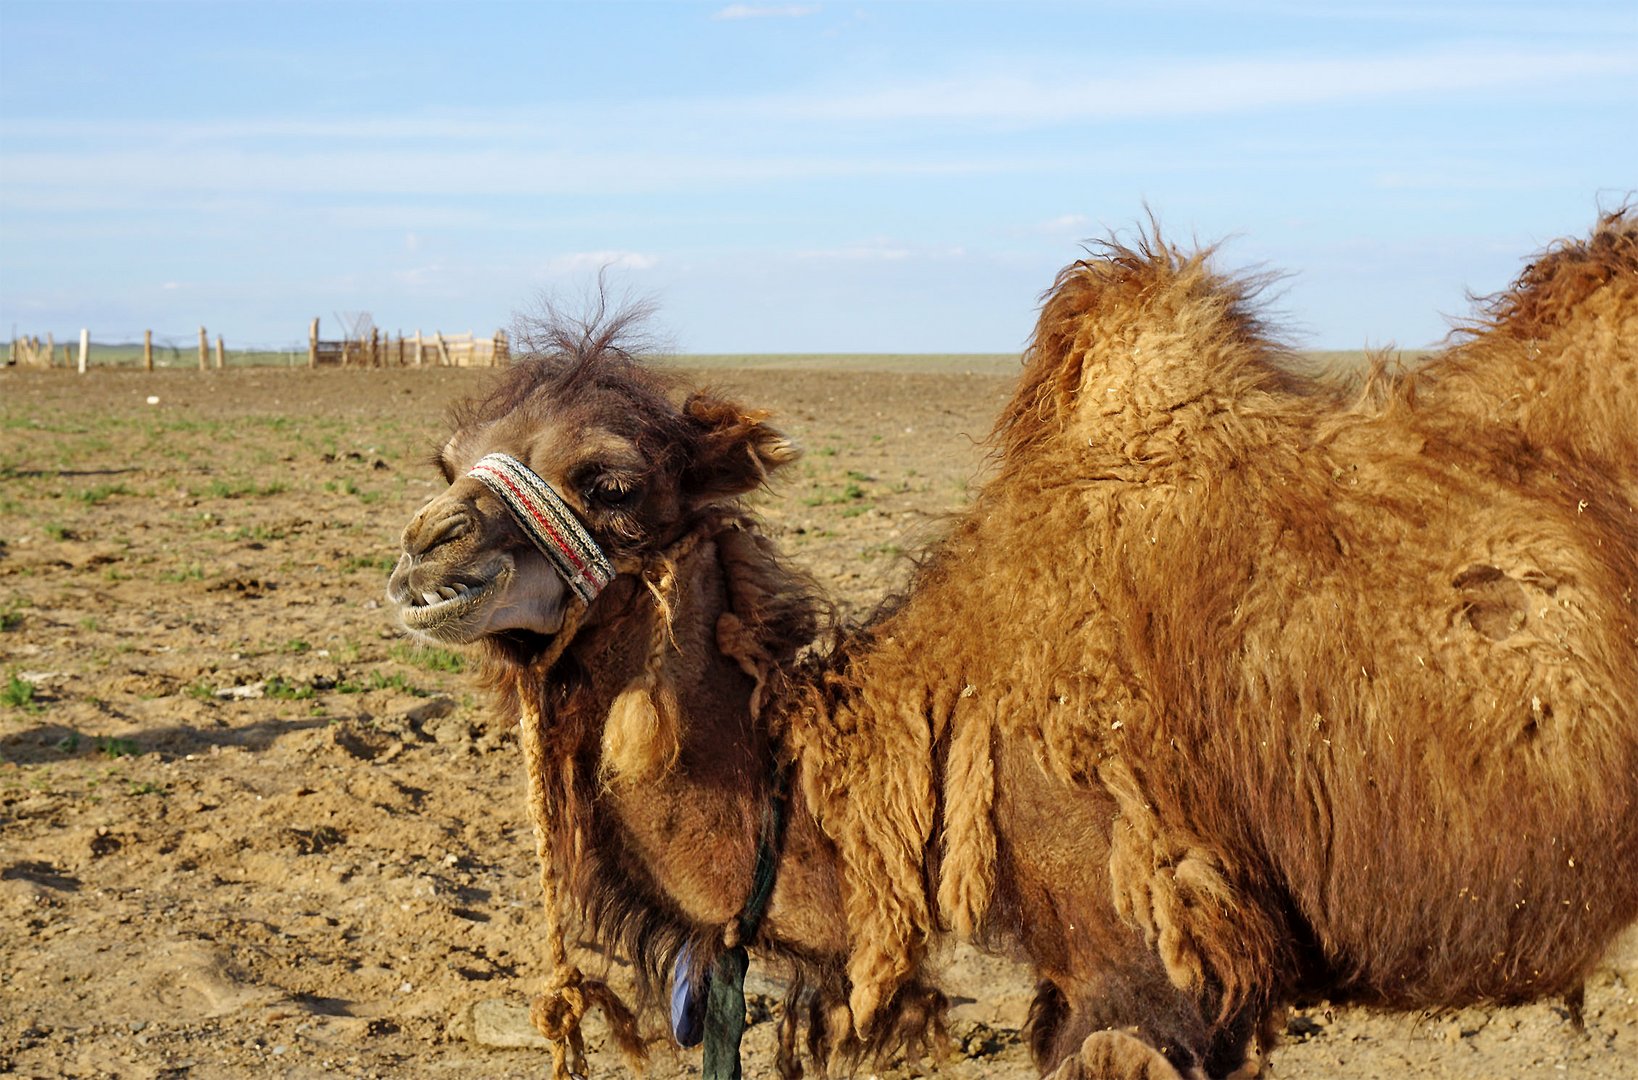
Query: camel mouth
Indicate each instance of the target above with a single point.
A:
(457, 602)
(444, 604)
(450, 611)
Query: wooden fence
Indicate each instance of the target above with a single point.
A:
(30, 352)
(385, 350)
(378, 350)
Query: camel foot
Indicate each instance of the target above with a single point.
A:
(1117, 1055)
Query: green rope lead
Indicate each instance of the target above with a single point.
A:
(725, 1000)
(725, 1015)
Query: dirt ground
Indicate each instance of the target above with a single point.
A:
(247, 828)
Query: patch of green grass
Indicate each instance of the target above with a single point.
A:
(428, 657)
(146, 787)
(200, 691)
(70, 744)
(256, 532)
(297, 646)
(380, 681)
(11, 616)
(18, 693)
(117, 748)
(382, 563)
(282, 689)
(348, 486)
(91, 623)
(190, 572)
(59, 532)
(101, 493)
(395, 681)
(850, 492)
(223, 489)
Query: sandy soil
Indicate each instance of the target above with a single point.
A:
(247, 829)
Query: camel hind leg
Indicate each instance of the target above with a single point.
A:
(1135, 1024)
(1118, 1055)
(1124, 1055)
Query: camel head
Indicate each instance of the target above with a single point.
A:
(635, 469)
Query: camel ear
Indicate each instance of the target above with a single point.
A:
(737, 450)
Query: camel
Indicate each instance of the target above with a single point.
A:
(1232, 687)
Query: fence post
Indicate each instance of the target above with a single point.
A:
(219, 352)
(443, 350)
(418, 347)
(312, 345)
(375, 346)
(51, 349)
(85, 347)
(147, 350)
(204, 348)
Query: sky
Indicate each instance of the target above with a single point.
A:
(806, 177)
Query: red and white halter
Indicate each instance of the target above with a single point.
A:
(549, 522)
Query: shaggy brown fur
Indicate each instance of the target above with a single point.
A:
(1308, 694)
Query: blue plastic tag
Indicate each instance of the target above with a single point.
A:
(688, 995)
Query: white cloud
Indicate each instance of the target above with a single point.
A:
(870, 252)
(1065, 223)
(741, 141)
(1205, 88)
(766, 11)
(879, 251)
(70, 175)
(583, 262)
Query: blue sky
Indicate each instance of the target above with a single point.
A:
(787, 177)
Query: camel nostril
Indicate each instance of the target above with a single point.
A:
(429, 531)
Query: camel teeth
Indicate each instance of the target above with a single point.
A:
(446, 592)
(429, 597)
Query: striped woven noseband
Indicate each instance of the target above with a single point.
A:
(549, 522)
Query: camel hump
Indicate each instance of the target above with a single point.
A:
(1553, 288)
(1147, 357)
(1555, 357)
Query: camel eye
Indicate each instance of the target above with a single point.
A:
(612, 493)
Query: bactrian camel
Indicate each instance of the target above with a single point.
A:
(1231, 688)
